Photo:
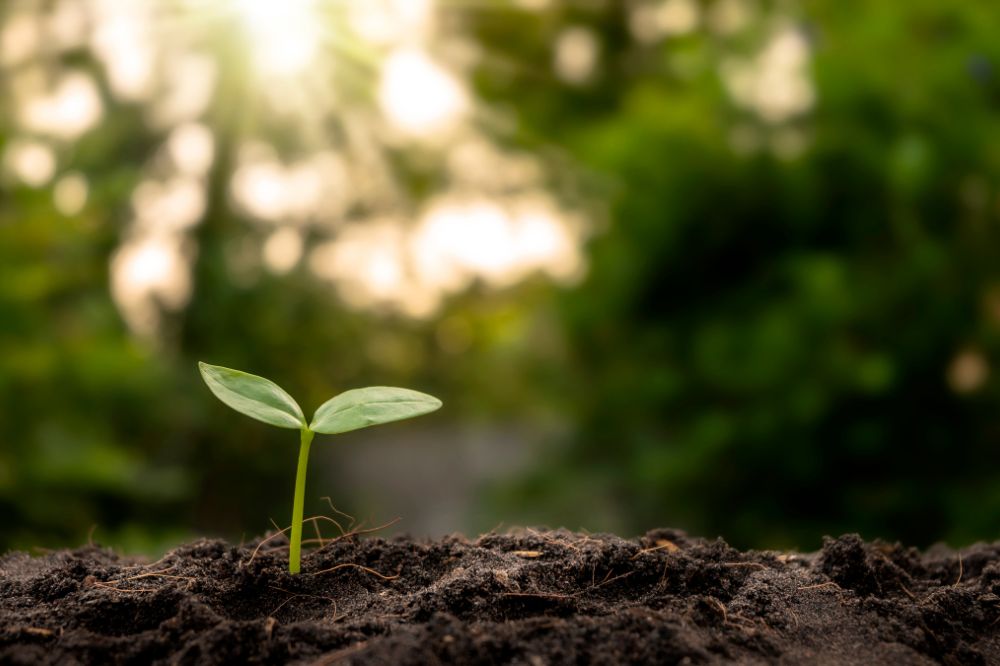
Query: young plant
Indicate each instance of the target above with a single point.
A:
(265, 401)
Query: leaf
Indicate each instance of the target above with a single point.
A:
(360, 408)
(254, 396)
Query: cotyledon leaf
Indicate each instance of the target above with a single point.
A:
(360, 408)
(254, 396)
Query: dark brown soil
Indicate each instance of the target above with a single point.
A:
(522, 598)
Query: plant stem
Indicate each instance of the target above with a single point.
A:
(295, 546)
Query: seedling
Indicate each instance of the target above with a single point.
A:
(265, 401)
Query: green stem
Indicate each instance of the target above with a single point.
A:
(295, 547)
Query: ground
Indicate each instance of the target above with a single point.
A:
(526, 597)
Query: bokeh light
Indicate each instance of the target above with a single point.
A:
(657, 256)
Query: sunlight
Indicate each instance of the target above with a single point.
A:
(70, 194)
(68, 111)
(123, 41)
(385, 22)
(311, 188)
(169, 206)
(282, 250)
(19, 39)
(191, 148)
(284, 35)
(365, 263)
(186, 91)
(651, 22)
(460, 239)
(775, 83)
(328, 192)
(418, 96)
(576, 54)
(148, 273)
(31, 162)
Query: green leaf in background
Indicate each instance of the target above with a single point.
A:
(360, 408)
(254, 396)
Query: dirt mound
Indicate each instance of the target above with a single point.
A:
(530, 597)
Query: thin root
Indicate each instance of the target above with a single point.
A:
(319, 535)
(113, 584)
(367, 530)
(323, 542)
(265, 540)
(748, 565)
(356, 566)
(607, 580)
(718, 604)
(296, 595)
(669, 546)
(339, 512)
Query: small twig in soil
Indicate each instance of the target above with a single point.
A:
(959, 579)
(34, 631)
(817, 586)
(269, 626)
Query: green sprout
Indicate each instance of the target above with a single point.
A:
(265, 401)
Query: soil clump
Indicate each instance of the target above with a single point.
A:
(530, 597)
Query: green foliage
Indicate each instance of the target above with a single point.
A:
(764, 345)
(262, 399)
(766, 342)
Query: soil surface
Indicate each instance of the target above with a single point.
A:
(527, 597)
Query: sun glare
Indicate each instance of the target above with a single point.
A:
(329, 196)
(419, 96)
(284, 35)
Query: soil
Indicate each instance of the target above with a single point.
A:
(527, 597)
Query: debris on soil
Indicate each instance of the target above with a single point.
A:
(527, 597)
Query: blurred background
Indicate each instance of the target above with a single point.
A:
(731, 266)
